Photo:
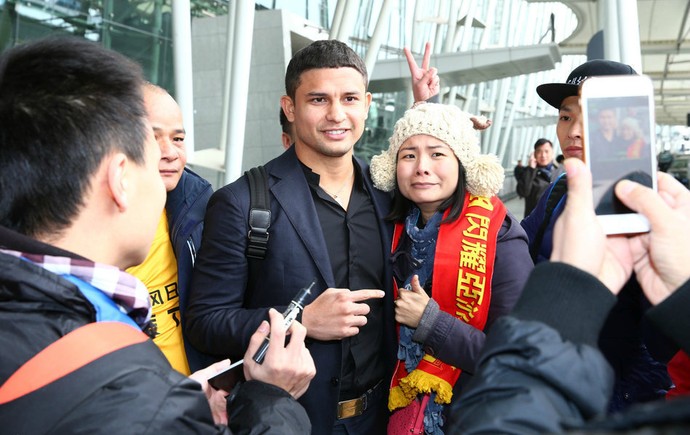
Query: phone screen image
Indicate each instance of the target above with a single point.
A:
(619, 134)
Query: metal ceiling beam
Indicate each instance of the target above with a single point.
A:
(681, 92)
(670, 76)
(533, 121)
(656, 47)
(468, 67)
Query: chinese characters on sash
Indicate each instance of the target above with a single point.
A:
(472, 263)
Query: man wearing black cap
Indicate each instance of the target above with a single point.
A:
(564, 97)
(620, 338)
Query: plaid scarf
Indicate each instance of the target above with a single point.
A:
(128, 293)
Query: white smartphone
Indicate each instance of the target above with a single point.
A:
(226, 379)
(619, 134)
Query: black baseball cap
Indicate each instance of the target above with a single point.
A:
(555, 93)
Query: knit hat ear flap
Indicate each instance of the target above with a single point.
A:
(382, 169)
(484, 175)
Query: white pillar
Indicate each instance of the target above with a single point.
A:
(499, 118)
(484, 41)
(241, 62)
(337, 19)
(608, 21)
(414, 39)
(375, 41)
(182, 65)
(449, 43)
(517, 96)
(629, 34)
(348, 21)
(438, 35)
(466, 38)
(227, 80)
(523, 145)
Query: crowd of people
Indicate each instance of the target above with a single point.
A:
(427, 314)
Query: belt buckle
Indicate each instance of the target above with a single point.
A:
(352, 408)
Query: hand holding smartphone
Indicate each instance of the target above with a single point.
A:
(619, 134)
(226, 379)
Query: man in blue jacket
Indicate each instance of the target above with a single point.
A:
(167, 270)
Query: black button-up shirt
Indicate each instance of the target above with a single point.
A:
(354, 248)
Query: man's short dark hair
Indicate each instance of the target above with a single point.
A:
(328, 53)
(65, 104)
(541, 142)
(285, 123)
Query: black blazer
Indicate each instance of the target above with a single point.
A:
(230, 295)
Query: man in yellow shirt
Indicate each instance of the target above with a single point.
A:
(166, 272)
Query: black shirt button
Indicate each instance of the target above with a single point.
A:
(335, 381)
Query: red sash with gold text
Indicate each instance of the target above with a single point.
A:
(461, 285)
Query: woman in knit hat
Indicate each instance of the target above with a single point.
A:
(460, 259)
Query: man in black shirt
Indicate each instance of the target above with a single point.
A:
(326, 224)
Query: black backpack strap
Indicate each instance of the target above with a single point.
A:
(558, 189)
(259, 213)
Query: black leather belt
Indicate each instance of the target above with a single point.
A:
(355, 407)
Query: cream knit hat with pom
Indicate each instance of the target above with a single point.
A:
(483, 173)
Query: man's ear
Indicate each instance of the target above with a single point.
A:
(288, 107)
(367, 99)
(117, 179)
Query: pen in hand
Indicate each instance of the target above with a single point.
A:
(290, 314)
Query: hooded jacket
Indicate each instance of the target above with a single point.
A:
(132, 390)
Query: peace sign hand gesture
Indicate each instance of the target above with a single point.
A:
(425, 81)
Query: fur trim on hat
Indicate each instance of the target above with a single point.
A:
(484, 174)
